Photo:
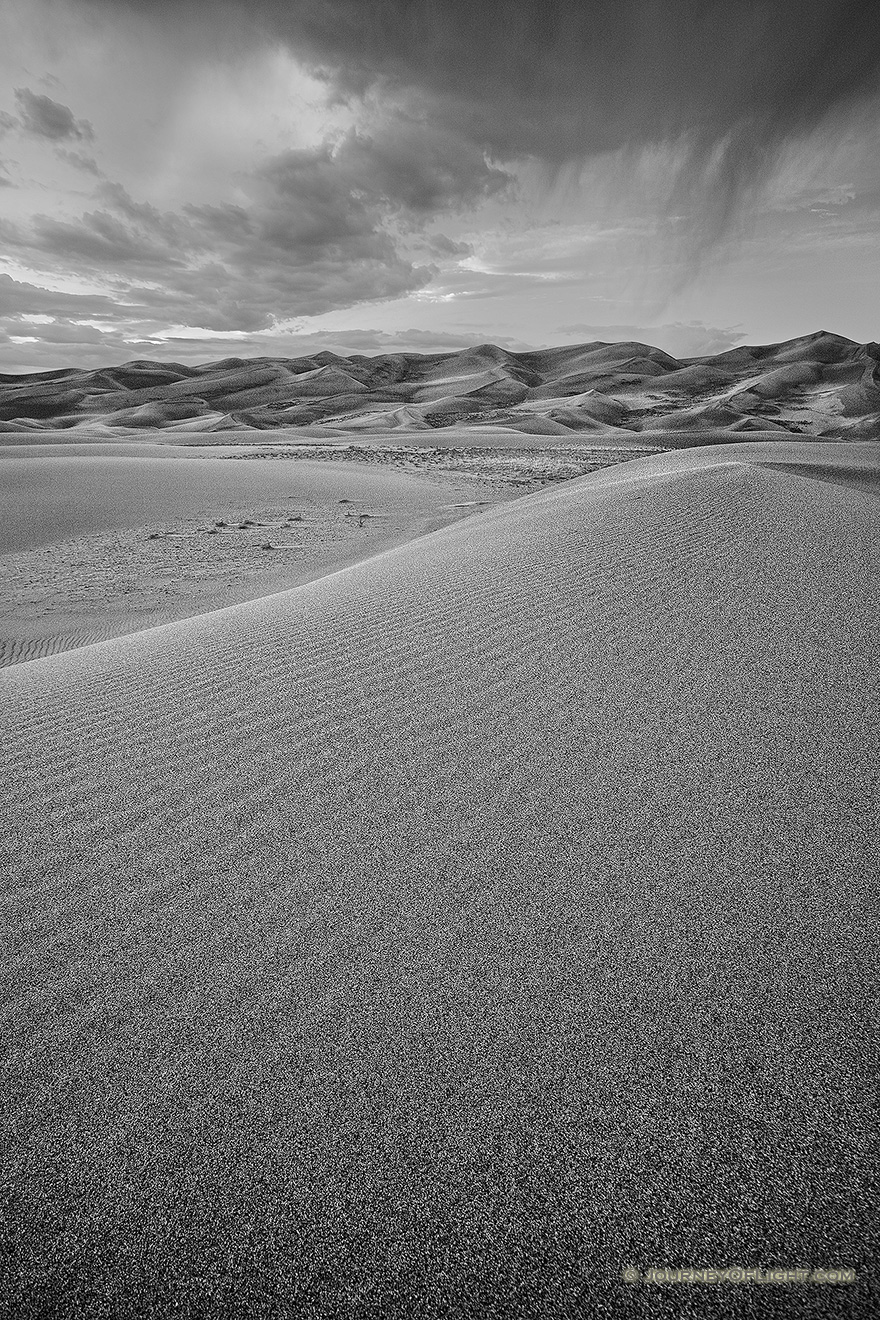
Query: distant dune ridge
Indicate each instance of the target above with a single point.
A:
(820, 384)
(445, 935)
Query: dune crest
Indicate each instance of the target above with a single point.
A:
(443, 936)
(820, 384)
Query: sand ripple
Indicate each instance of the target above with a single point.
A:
(444, 935)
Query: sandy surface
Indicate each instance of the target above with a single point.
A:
(443, 936)
(182, 444)
(819, 384)
(46, 500)
(93, 546)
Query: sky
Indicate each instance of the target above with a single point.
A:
(193, 179)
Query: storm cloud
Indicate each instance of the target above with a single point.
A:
(318, 229)
(241, 165)
(559, 81)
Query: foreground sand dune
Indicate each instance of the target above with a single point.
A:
(442, 936)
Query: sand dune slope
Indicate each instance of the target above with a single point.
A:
(818, 384)
(445, 935)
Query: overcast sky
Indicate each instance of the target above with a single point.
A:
(193, 178)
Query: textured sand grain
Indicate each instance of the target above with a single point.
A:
(442, 936)
(96, 546)
(53, 499)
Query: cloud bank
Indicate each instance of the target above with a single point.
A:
(436, 118)
(316, 229)
(560, 81)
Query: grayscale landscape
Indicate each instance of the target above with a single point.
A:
(439, 754)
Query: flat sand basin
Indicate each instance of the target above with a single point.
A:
(93, 546)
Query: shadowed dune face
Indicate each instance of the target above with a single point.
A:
(820, 384)
(452, 932)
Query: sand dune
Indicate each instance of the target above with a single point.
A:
(820, 384)
(19, 650)
(98, 544)
(442, 936)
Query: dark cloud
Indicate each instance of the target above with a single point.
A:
(44, 354)
(322, 228)
(79, 161)
(400, 170)
(440, 245)
(50, 119)
(421, 166)
(730, 82)
(100, 240)
(449, 96)
(58, 332)
(227, 222)
(306, 203)
(562, 80)
(20, 299)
